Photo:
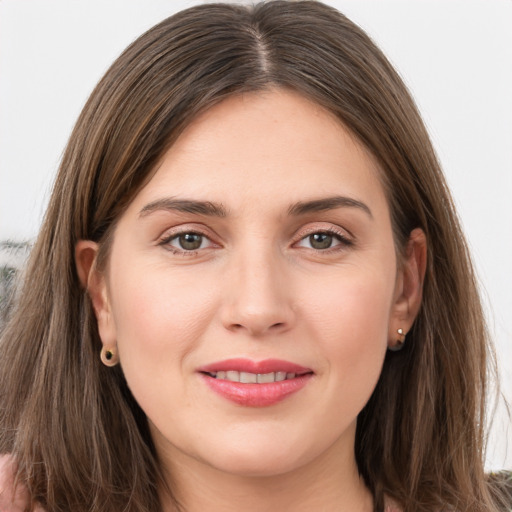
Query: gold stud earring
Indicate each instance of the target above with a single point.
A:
(400, 342)
(109, 356)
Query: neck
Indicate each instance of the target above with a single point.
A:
(330, 482)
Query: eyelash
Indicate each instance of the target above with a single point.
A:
(341, 237)
(181, 252)
(344, 241)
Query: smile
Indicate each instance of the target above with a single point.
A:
(255, 383)
(252, 378)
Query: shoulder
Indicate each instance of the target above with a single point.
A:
(391, 505)
(12, 499)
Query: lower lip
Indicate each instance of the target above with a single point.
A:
(256, 395)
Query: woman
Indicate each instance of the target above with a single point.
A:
(250, 289)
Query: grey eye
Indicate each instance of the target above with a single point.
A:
(321, 240)
(190, 241)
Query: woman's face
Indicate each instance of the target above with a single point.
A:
(262, 245)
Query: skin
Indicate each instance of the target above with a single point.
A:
(258, 287)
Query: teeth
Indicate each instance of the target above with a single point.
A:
(233, 376)
(248, 378)
(252, 378)
(263, 378)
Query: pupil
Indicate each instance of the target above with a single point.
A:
(320, 240)
(190, 241)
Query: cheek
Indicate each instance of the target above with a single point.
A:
(349, 318)
(160, 319)
(354, 307)
(158, 312)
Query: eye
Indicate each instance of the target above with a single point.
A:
(320, 240)
(186, 242)
(323, 240)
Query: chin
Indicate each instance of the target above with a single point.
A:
(257, 466)
(267, 458)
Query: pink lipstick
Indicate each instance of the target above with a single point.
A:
(255, 383)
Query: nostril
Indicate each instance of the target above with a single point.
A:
(257, 330)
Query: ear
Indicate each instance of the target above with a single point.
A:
(95, 283)
(409, 287)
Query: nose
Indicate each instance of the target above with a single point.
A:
(257, 298)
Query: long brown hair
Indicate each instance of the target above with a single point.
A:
(80, 440)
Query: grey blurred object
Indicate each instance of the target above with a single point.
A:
(13, 255)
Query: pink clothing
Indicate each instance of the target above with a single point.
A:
(11, 501)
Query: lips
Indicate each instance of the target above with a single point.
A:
(255, 383)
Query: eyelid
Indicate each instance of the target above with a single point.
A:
(324, 227)
(172, 233)
(345, 238)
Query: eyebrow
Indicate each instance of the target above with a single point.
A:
(213, 209)
(186, 206)
(328, 203)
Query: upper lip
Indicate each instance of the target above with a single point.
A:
(250, 366)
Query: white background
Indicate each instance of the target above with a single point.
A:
(455, 55)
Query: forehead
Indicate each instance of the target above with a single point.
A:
(275, 145)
